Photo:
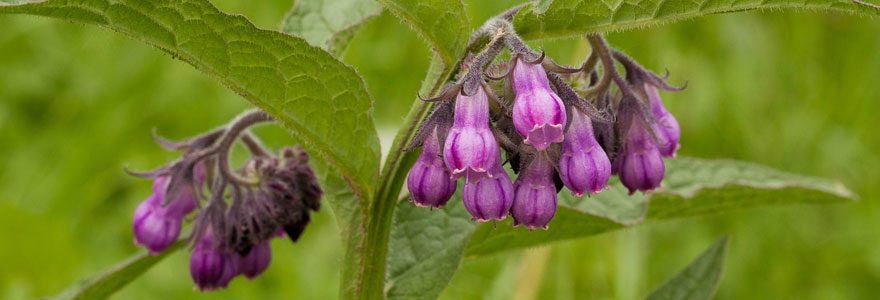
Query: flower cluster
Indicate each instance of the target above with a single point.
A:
(239, 211)
(558, 126)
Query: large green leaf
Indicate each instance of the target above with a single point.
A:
(692, 187)
(321, 100)
(103, 285)
(425, 243)
(576, 17)
(699, 280)
(443, 23)
(329, 24)
(425, 248)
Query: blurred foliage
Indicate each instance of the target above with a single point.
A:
(794, 91)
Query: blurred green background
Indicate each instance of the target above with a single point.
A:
(795, 91)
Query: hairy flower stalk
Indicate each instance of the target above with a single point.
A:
(545, 122)
(245, 208)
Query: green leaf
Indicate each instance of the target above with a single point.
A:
(103, 285)
(564, 18)
(443, 23)
(329, 24)
(699, 280)
(321, 100)
(425, 248)
(692, 187)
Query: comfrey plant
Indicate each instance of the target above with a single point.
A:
(546, 130)
(504, 130)
(240, 210)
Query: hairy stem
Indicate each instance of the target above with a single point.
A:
(237, 127)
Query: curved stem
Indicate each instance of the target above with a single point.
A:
(237, 126)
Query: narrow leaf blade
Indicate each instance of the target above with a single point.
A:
(699, 280)
(563, 18)
(103, 285)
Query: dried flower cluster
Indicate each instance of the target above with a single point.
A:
(239, 211)
(558, 126)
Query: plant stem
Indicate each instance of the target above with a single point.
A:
(378, 223)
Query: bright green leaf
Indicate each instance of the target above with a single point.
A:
(576, 17)
(106, 283)
(329, 24)
(699, 280)
(425, 248)
(443, 23)
(692, 187)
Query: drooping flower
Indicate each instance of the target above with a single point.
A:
(429, 182)
(470, 148)
(156, 225)
(538, 112)
(583, 166)
(534, 202)
(491, 198)
(666, 128)
(210, 266)
(639, 163)
(256, 261)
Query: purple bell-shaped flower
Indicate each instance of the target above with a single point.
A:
(210, 266)
(429, 181)
(666, 127)
(470, 148)
(155, 226)
(534, 202)
(583, 166)
(639, 164)
(490, 198)
(538, 112)
(256, 261)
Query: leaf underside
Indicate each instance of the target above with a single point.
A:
(444, 24)
(329, 24)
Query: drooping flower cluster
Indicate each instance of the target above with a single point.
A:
(555, 128)
(240, 211)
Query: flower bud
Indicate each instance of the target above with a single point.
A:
(534, 202)
(153, 227)
(583, 166)
(666, 128)
(639, 164)
(256, 261)
(429, 181)
(470, 148)
(538, 113)
(491, 198)
(211, 267)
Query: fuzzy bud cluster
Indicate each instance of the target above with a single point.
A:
(239, 211)
(555, 128)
